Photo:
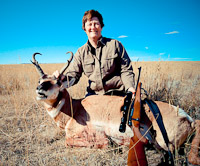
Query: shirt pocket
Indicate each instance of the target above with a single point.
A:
(110, 63)
(88, 66)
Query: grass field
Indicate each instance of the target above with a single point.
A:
(28, 136)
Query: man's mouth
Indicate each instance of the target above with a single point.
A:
(93, 31)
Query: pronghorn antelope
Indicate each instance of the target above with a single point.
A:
(93, 121)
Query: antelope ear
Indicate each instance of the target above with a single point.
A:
(69, 83)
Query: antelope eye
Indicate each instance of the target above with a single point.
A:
(46, 85)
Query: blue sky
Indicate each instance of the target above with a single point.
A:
(150, 30)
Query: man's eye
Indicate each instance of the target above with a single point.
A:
(96, 23)
(90, 24)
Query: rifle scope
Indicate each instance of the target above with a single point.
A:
(125, 109)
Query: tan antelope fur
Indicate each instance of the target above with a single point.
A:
(93, 121)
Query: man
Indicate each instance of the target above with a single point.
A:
(104, 61)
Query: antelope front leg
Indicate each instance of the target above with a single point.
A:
(88, 139)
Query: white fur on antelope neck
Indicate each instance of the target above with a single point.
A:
(53, 112)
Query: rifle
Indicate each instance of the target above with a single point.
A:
(136, 154)
(126, 108)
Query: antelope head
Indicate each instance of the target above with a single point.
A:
(49, 86)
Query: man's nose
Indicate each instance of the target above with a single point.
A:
(93, 26)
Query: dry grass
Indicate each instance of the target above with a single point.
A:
(28, 136)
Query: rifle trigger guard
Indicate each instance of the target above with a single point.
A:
(136, 119)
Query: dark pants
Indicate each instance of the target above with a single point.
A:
(116, 93)
(110, 93)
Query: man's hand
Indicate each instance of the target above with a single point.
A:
(131, 89)
(57, 75)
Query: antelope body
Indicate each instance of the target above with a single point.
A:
(93, 121)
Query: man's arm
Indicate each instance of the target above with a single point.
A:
(74, 71)
(127, 75)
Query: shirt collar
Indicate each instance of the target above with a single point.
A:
(100, 42)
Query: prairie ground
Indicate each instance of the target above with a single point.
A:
(28, 136)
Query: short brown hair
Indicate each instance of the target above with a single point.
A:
(88, 16)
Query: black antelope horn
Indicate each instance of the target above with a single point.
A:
(40, 71)
(67, 64)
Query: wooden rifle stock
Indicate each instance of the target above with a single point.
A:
(136, 155)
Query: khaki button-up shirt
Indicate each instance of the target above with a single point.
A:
(107, 67)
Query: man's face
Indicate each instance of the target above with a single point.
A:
(93, 28)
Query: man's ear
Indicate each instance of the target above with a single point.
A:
(67, 84)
